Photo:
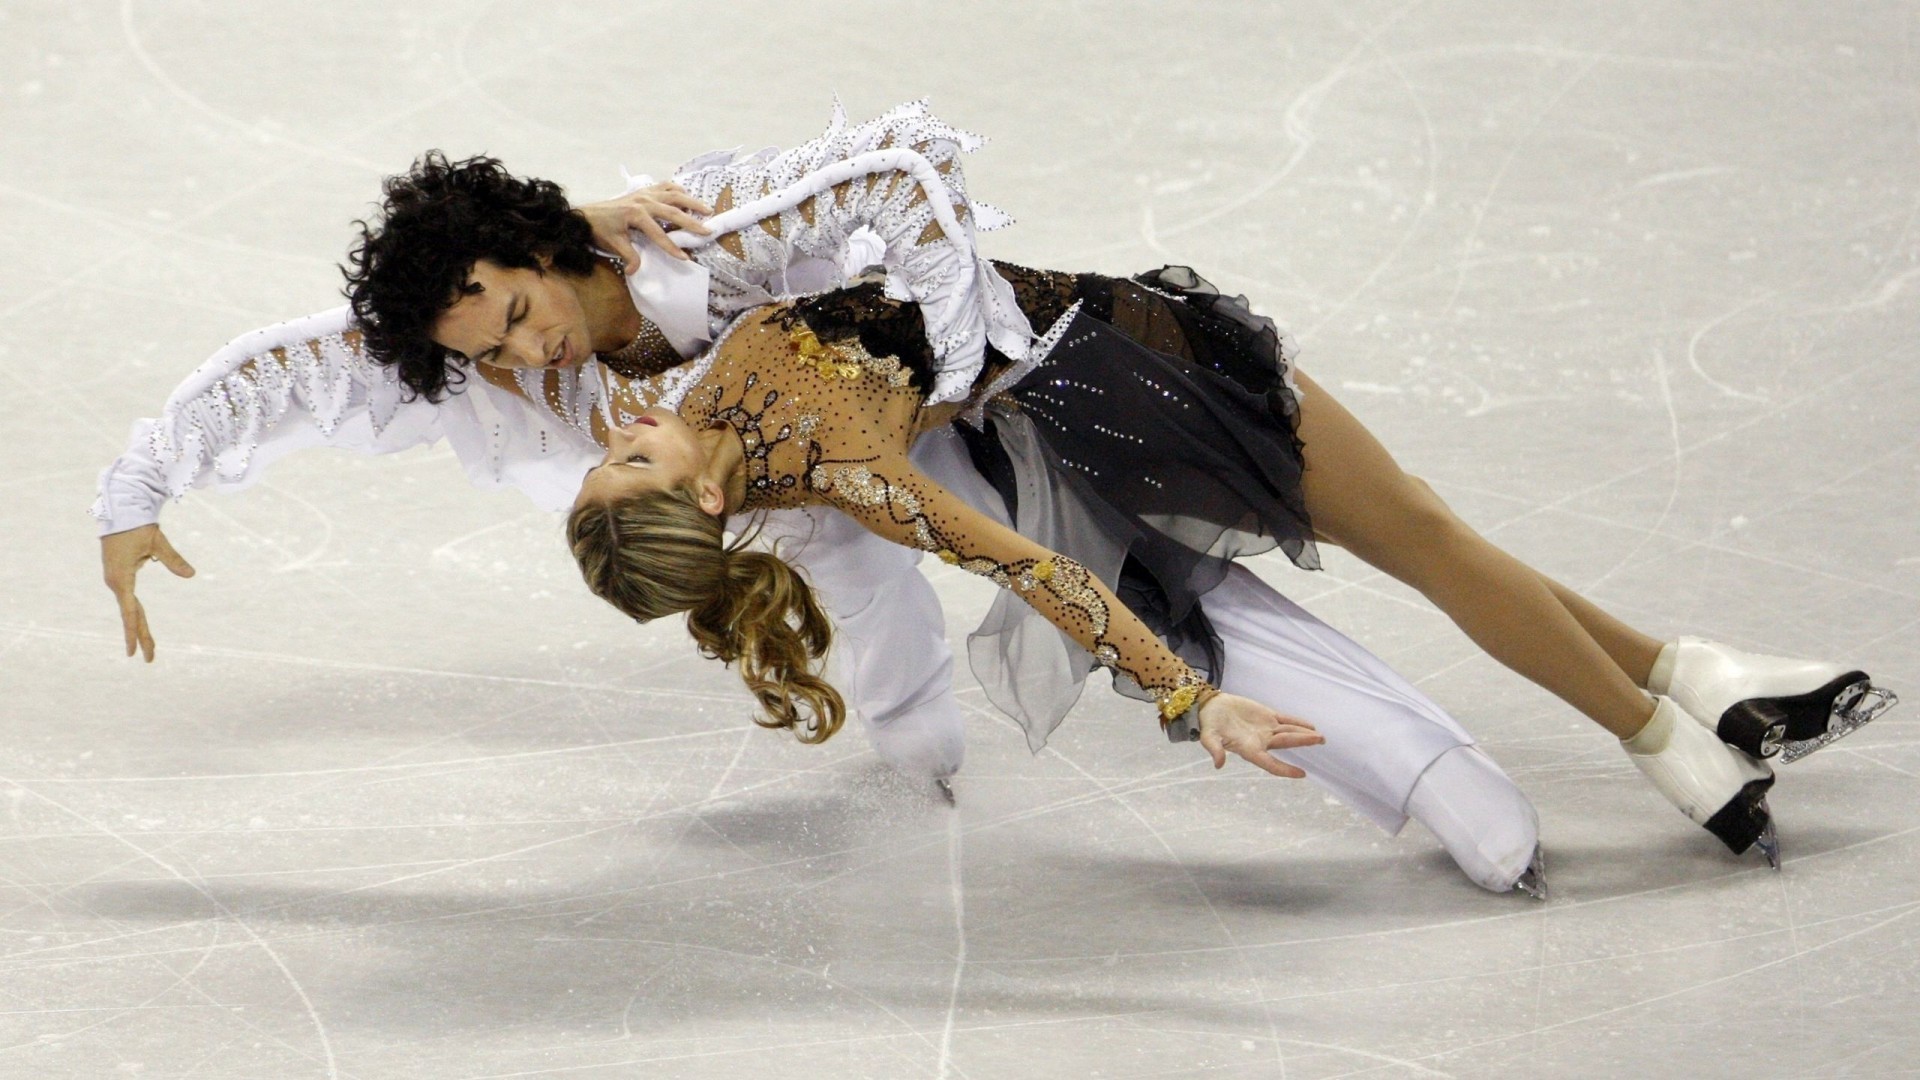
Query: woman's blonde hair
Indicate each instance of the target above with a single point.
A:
(659, 553)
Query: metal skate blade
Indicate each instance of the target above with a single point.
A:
(1534, 881)
(1768, 842)
(1873, 701)
(1858, 711)
(946, 791)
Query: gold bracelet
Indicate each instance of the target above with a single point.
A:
(1176, 703)
(1191, 696)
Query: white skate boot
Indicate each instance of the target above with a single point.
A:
(1718, 787)
(1766, 705)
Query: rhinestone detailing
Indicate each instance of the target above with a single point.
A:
(822, 420)
(895, 181)
(648, 354)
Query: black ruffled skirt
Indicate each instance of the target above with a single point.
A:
(1153, 443)
(1161, 429)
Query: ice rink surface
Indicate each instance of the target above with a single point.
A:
(1634, 286)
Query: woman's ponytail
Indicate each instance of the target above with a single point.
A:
(765, 620)
(657, 554)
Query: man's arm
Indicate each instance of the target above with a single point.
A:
(306, 382)
(887, 193)
(294, 384)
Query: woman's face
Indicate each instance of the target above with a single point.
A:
(657, 452)
(518, 319)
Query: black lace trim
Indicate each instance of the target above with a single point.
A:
(1043, 295)
(884, 327)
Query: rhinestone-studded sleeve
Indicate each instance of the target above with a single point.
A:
(895, 184)
(306, 382)
(892, 498)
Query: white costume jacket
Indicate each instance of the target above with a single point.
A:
(885, 194)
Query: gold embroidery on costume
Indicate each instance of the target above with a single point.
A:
(823, 420)
(847, 359)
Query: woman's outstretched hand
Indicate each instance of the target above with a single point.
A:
(121, 556)
(1250, 729)
(650, 211)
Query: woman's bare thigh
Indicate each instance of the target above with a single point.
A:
(1357, 496)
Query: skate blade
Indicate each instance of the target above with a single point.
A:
(1769, 843)
(946, 792)
(1854, 709)
(1534, 881)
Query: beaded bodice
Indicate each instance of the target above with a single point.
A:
(778, 386)
(827, 422)
(647, 355)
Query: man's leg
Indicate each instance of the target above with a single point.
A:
(1390, 752)
(890, 657)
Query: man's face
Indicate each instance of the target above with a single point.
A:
(517, 319)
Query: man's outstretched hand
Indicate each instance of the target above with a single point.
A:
(122, 554)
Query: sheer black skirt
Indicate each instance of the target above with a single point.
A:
(1168, 418)
(1156, 441)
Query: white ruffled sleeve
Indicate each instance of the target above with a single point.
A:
(291, 385)
(889, 192)
(308, 383)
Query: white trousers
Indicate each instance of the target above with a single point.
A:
(1391, 752)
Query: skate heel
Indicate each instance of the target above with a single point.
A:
(1856, 705)
(1767, 705)
(1716, 786)
(1746, 821)
(1757, 728)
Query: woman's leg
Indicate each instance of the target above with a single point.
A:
(1632, 650)
(1795, 706)
(1361, 499)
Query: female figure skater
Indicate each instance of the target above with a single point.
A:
(1184, 455)
(1258, 462)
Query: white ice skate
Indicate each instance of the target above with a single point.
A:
(1718, 787)
(1766, 705)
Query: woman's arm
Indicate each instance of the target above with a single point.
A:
(894, 500)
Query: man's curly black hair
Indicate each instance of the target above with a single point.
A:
(437, 221)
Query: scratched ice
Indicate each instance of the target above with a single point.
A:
(1633, 287)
